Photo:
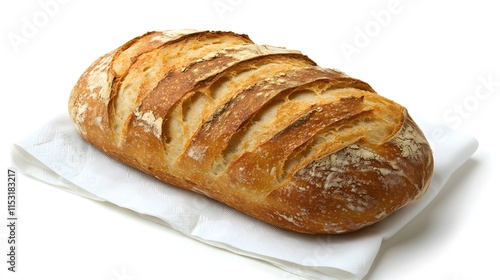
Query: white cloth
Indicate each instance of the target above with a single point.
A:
(58, 156)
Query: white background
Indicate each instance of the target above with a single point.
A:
(439, 59)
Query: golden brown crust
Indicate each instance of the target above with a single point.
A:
(259, 128)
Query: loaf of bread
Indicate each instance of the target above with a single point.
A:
(262, 129)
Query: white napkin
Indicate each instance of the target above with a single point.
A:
(58, 156)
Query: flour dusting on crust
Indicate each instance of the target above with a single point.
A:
(149, 122)
(99, 80)
(409, 141)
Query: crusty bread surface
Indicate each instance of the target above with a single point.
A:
(260, 128)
